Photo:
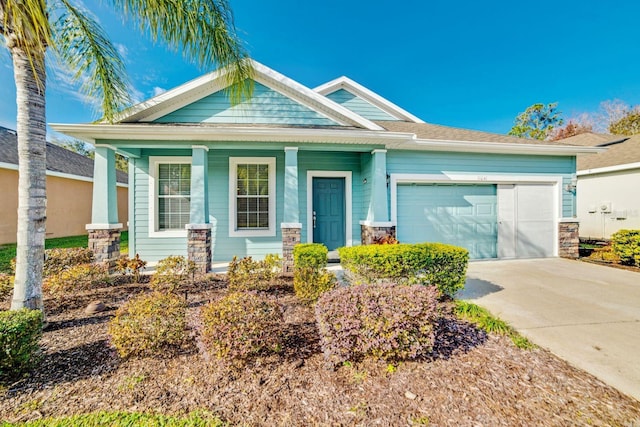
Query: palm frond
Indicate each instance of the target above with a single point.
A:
(82, 45)
(203, 30)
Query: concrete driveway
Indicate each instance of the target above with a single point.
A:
(587, 314)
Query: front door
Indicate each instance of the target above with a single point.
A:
(329, 212)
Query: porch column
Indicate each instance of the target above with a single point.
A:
(104, 230)
(291, 226)
(199, 228)
(377, 225)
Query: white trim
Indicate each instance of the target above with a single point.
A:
(291, 149)
(109, 146)
(480, 178)
(368, 95)
(102, 226)
(154, 161)
(291, 225)
(568, 220)
(378, 224)
(233, 171)
(616, 168)
(378, 150)
(500, 147)
(14, 167)
(347, 175)
(207, 226)
(202, 147)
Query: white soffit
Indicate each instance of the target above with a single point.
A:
(368, 95)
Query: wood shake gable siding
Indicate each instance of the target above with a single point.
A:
(415, 162)
(359, 106)
(267, 106)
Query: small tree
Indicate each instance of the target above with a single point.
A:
(537, 121)
(572, 128)
(628, 125)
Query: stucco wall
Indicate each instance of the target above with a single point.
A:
(618, 188)
(68, 206)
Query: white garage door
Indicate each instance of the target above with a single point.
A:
(461, 215)
(526, 221)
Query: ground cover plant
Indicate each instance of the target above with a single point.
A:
(469, 377)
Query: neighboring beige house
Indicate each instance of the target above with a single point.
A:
(69, 190)
(608, 186)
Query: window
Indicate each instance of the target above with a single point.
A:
(252, 196)
(170, 195)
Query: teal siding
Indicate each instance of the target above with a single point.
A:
(479, 163)
(366, 169)
(359, 105)
(265, 107)
(461, 215)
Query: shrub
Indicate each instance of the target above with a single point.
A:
(309, 283)
(310, 255)
(171, 273)
(443, 266)
(75, 278)
(6, 285)
(240, 326)
(247, 274)
(391, 322)
(59, 259)
(626, 244)
(148, 324)
(20, 331)
(131, 266)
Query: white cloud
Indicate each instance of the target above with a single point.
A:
(122, 50)
(158, 90)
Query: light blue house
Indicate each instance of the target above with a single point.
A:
(337, 164)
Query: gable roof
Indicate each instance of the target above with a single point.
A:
(59, 160)
(216, 81)
(592, 139)
(622, 152)
(345, 83)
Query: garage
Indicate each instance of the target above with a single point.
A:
(489, 220)
(458, 214)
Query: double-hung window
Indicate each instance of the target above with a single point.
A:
(252, 196)
(170, 191)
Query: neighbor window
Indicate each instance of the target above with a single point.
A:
(252, 195)
(171, 189)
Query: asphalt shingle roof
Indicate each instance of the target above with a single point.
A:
(58, 159)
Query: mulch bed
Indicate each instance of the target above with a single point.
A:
(471, 379)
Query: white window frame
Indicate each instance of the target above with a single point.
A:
(154, 162)
(233, 177)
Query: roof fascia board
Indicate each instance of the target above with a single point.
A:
(212, 82)
(607, 169)
(498, 147)
(368, 95)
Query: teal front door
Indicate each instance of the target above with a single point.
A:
(329, 212)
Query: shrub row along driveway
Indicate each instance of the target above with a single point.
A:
(587, 314)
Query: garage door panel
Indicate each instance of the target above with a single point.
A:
(461, 215)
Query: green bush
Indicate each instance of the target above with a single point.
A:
(129, 419)
(246, 274)
(81, 277)
(6, 285)
(172, 273)
(310, 255)
(240, 326)
(443, 266)
(309, 283)
(391, 322)
(20, 331)
(59, 259)
(626, 244)
(149, 324)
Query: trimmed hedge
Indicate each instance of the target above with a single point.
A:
(310, 283)
(626, 244)
(249, 275)
(148, 324)
(391, 322)
(75, 278)
(240, 326)
(313, 255)
(20, 331)
(443, 266)
(58, 259)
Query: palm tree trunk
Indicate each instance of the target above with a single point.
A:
(32, 198)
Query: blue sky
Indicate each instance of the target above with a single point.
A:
(467, 63)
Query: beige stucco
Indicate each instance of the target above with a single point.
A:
(621, 190)
(68, 206)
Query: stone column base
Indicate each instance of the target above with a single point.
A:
(105, 244)
(291, 234)
(370, 233)
(199, 246)
(568, 240)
